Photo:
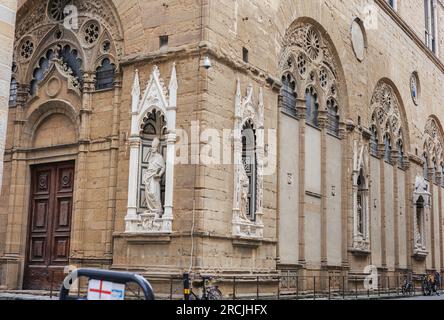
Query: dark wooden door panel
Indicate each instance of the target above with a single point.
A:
(50, 225)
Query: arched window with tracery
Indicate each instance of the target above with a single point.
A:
(442, 174)
(434, 171)
(433, 148)
(386, 118)
(425, 166)
(374, 141)
(105, 75)
(69, 59)
(401, 156)
(312, 105)
(13, 92)
(387, 148)
(333, 117)
(288, 94)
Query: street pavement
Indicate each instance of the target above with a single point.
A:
(424, 298)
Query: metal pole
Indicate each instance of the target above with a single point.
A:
(379, 290)
(297, 287)
(343, 287)
(186, 286)
(279, 288)
(171, 288)
(329, 288)
(52, 284)
(234, 288)
(356, 287)
(314, 288)
(388, 285)
(257, 288)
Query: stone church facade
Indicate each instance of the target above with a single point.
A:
(326, 113)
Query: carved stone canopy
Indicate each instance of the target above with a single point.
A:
(422, 189)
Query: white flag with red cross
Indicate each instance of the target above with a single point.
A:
(104, 290)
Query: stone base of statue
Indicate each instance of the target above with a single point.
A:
(420, 253)
(247, 229)
(149, 223)
(361, 247)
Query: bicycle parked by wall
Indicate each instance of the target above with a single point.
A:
(408, 288)
(209, 292)
(427, 285)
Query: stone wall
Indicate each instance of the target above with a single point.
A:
(308, 220)
(7, 27)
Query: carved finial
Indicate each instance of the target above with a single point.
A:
(238, 99)
(136, 83)
(135, 92)
(173, 81)
(173, 87)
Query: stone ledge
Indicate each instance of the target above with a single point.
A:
(144, 238)
(359, 252)
(420, 255)
(247, 242)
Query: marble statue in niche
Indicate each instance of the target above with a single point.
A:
(245, 189)
(152, 178)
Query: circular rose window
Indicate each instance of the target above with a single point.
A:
(56, 9)
(415, 87)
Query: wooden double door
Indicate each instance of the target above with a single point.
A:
(50, 223)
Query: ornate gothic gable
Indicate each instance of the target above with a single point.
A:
(155, 95)
(40, 24)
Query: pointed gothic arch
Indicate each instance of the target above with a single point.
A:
(389, 116)
(310, 56)
(98, 35)
(433, 142)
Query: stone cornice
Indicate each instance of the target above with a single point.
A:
(204, 48)
(409, 31)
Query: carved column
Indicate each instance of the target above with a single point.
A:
(80, 220)
(171, 151)
(135, 143)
